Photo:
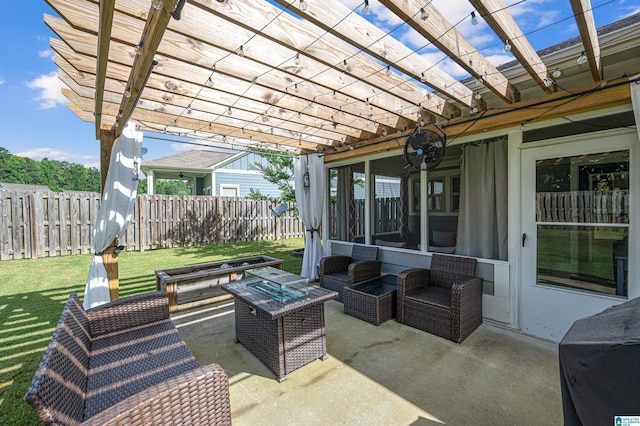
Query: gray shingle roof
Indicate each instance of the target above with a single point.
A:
(20, 187)
(194, 159)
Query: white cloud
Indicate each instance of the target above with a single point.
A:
(46, 53)
(1, 81)
(50, 87)
(180, 147)
(632, 11)
(54, 154)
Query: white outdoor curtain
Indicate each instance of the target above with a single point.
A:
(118, 199)
(483, 216)
(310, 201)
(635, 101)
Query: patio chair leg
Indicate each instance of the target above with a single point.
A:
(281, 379)
(324, 357)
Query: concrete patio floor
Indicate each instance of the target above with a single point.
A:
(386, 375)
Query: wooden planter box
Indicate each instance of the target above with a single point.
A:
(199, 284)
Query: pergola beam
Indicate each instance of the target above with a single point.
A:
(335, 18)
(502, 23)
(589, 35)
(450, 41)
(104, 38)
(154, 29)
(586, 98)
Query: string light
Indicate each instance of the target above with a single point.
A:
(229, 111)
(556, 73)
(474, 20)
(138, 48)
(507, 46)
(296, 60)
(388, 70)
(477, 96)
(345, 66)
(295, 88)
(424, 15)
(127, 93)
(582, 59)
(367, 9)
(240, 51)
(303, 5)
(189, 109)
(157, 4)
(334, 95)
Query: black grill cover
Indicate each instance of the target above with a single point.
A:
(600, 366)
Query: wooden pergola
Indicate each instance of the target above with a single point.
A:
(300, 76)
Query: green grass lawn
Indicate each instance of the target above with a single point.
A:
(33, 293)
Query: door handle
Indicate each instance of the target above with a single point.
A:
(524, 238)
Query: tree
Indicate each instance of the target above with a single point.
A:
(277, 169)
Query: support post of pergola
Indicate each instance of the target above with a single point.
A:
(109, 258)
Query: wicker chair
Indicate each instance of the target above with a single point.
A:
(125, 363)
(336, 272)
(445, 300)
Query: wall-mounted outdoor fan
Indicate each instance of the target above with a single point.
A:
(424, 148)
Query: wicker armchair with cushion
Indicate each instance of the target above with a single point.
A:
(125, 363)
(336, 272)
(445, 300)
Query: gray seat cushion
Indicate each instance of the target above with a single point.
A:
(126, 362)
(437, 296)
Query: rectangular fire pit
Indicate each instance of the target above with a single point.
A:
(199, 284)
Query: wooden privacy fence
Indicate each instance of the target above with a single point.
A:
(47, 224)
(583, 206)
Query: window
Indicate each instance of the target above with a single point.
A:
(346, 207)
(227, 190)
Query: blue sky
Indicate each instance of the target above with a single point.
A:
(35, 123)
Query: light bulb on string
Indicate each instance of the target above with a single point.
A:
(424, 15)
(582, 59)
(303, 5)
(296, 60)
(388, 70)
(295, 88)
(556, 73)
(240, 51)
(334, 95)
(477, 96)
(474, 19)
(367, 8)
(507, 46)
(157, 4)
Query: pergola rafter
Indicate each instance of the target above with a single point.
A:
(450, 41)
(589, 36)
(496, 14)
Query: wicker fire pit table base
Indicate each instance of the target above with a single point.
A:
(280, 318)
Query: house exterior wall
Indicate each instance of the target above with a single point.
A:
(246, 180)
(503, 280)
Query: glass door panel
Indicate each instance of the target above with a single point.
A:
(582, 220)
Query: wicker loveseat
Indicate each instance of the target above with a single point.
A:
(125, 363)
(445, 300)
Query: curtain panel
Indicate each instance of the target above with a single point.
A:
(483, 216)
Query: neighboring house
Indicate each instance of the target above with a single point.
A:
(22, 187)
(211, 173)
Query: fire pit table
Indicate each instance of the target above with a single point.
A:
(199, 284)
(280, 318)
